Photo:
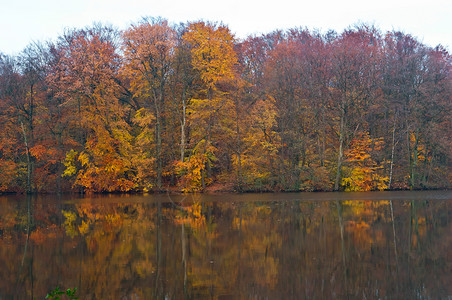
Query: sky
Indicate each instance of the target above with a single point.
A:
(25, 21)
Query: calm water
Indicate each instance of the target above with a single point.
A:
(382, 245)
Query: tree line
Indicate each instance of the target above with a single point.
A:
(189, 107)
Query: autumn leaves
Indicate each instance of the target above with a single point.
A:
(205, 58)
(184, 107)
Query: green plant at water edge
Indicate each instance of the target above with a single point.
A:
(56, 294)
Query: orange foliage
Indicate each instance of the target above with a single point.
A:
(159, 104)
(8, 171)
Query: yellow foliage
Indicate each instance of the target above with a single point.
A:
(194, 168)
(104, 162)
(213, 52)
(69, 163)
(260, 145)
(363, 172)
(84, 159)
(252, 168)
(143, 117)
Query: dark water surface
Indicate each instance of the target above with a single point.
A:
(380, 245)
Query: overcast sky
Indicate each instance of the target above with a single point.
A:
(24, 21)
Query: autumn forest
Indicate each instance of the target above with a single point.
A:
(188, 107)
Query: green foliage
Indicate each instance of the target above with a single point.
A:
(57, 294)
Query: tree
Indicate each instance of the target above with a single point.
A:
(364, 172)
(355, 54)
(17, 116)
(416, 87)
(149, 53)
(285, 82)
(214, 58)
(87, 81)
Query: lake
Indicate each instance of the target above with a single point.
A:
(375, 245)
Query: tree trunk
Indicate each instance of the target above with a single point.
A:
(158, 150)
(322, 156)
(413, 164)
(182, 128)
(239, 148)
(408, 148)
(340, 152)
(158, 136)
(29, 188)
(392, 151)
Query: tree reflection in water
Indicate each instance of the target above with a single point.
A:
(276, 246)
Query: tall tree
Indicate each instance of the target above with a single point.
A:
(11, 147)
(149, 54)
(87, 81)
(417, 97)
(285, 79)
(214, 58)
(355, 74)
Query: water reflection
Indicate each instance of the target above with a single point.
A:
(288, 246)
